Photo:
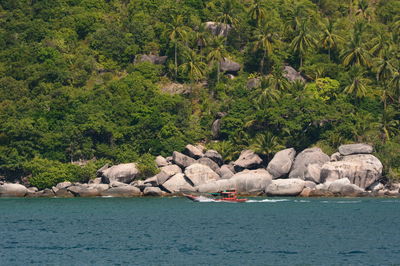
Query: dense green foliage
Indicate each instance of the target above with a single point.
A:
(69, 88)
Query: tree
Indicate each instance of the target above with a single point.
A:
(265, 38)
(227, 14)
(217, 53)
(384, 69)
(176, 31)
(303, 41)
(257, 11)
(193, 66)
(329, 39)
(356, 53)
(266, 144)
(359, 85)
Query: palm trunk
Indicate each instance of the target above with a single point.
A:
(329, 53)
(176, 62)
(218, 70)
(262, 63)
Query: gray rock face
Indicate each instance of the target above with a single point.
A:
(154, 59)
(177, 183)
(313, 173)
(377, 186)
(124, 173)
(247, 160)
(359, 148)
(227, 65)
(200, 174)
(291, 74)
(253, 83)
(343, 187)
(216, 186)
(310, 184)
(250, 181)
(83, 191)
(12, 190)
(218, 29)
(171, 170)
(282, 162)
(215, 156)
(63, 193)
(361, 169)
(210, 163)
(193, 152)
(120, 192)
(226, 172)
(63, 185)
(149, 182)
(215, 128)
(182, 160)
(161, 161)
(305, 158)
(95, 181)
(336, 157)
(285, 187)
(152, 191)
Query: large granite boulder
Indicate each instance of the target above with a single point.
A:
(200, 174)
(154, 59)
(210, 163)
(313, 173)
(285, 187)
(120, 192)
(216, 186)
(227, 65)
(152, 191)
(248, 159)
(305, 158)
(161, 161)
(215, 128)
(63, 185)
(124, 173)
(250, 181)
(63, 193)
(12, 190)
(177, 183)
(215, 156)
(193, 151)
(217, 28)
(168, 171)
(343, 187)
(292, 75)
(226, 172)
(182, 160)
(359, 148)
(282, 162)
(361, 169)
(84, 191)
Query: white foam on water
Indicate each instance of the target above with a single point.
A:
(348, 201)
(302, 201)
(267, 200)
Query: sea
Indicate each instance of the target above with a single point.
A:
(177, 231)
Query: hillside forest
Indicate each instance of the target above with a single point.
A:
(74, 86)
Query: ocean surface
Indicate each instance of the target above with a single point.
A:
(176, 231)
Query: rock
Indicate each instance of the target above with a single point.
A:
(177, 183)
(169, 159)
(161, 161)
(152, 191)
(285, 187)
(291, 74)
(231, 166)
(146, 183)
(336, 157)
(216, 186)
(83, 191)
(64, 193)
(250, 181)
(227, 65)
(12, 190)
(305, 193)
(99, 187)
(320, 193)
(310, 184)
(210, 163)
(247, 160)
(343, 187)
(117, 184)
(218, 29)
(33, 189)
(352, 191)
(230, 76)
(282, 162)
(313, 173)
(359, 148)
(154, 59)
(253, 83)
(361, 169)
(102, 169)
(376, 186)
(46, 193)
(193, 152)
(95, 181)
(215, 128)
(200, 174)
(165, 173)
(54, 189)
(225, 172)
(124, 173)
(63, 185)
(215, 156)
(182, 160)
(125, 191)
(337, 185)
(305, 158)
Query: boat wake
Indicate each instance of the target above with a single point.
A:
(267, 200)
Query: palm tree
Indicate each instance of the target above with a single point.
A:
(257, 11)
(359, 85)
(329, 39)
(266, 144)
(176, 31)
(193, 66)
(217, 53)
(303, 41)
(394, 83)
(384, 68)
(265, 39)
(379, 44)
(389, 125)
(356, 53)
(276, 80)
(226, 15)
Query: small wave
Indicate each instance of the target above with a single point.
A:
(267, 200)
(302, 201)
(348, 201)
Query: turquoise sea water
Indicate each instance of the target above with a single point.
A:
(176, 231)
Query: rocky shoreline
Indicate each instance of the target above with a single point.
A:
(351, 172)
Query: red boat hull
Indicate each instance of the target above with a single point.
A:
(199, 198)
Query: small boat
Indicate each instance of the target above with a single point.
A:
(223, 196)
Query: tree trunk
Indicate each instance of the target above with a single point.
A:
(218, 70)
(262, 63)
(176, 62)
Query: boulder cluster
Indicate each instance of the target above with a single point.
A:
(352, 171)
